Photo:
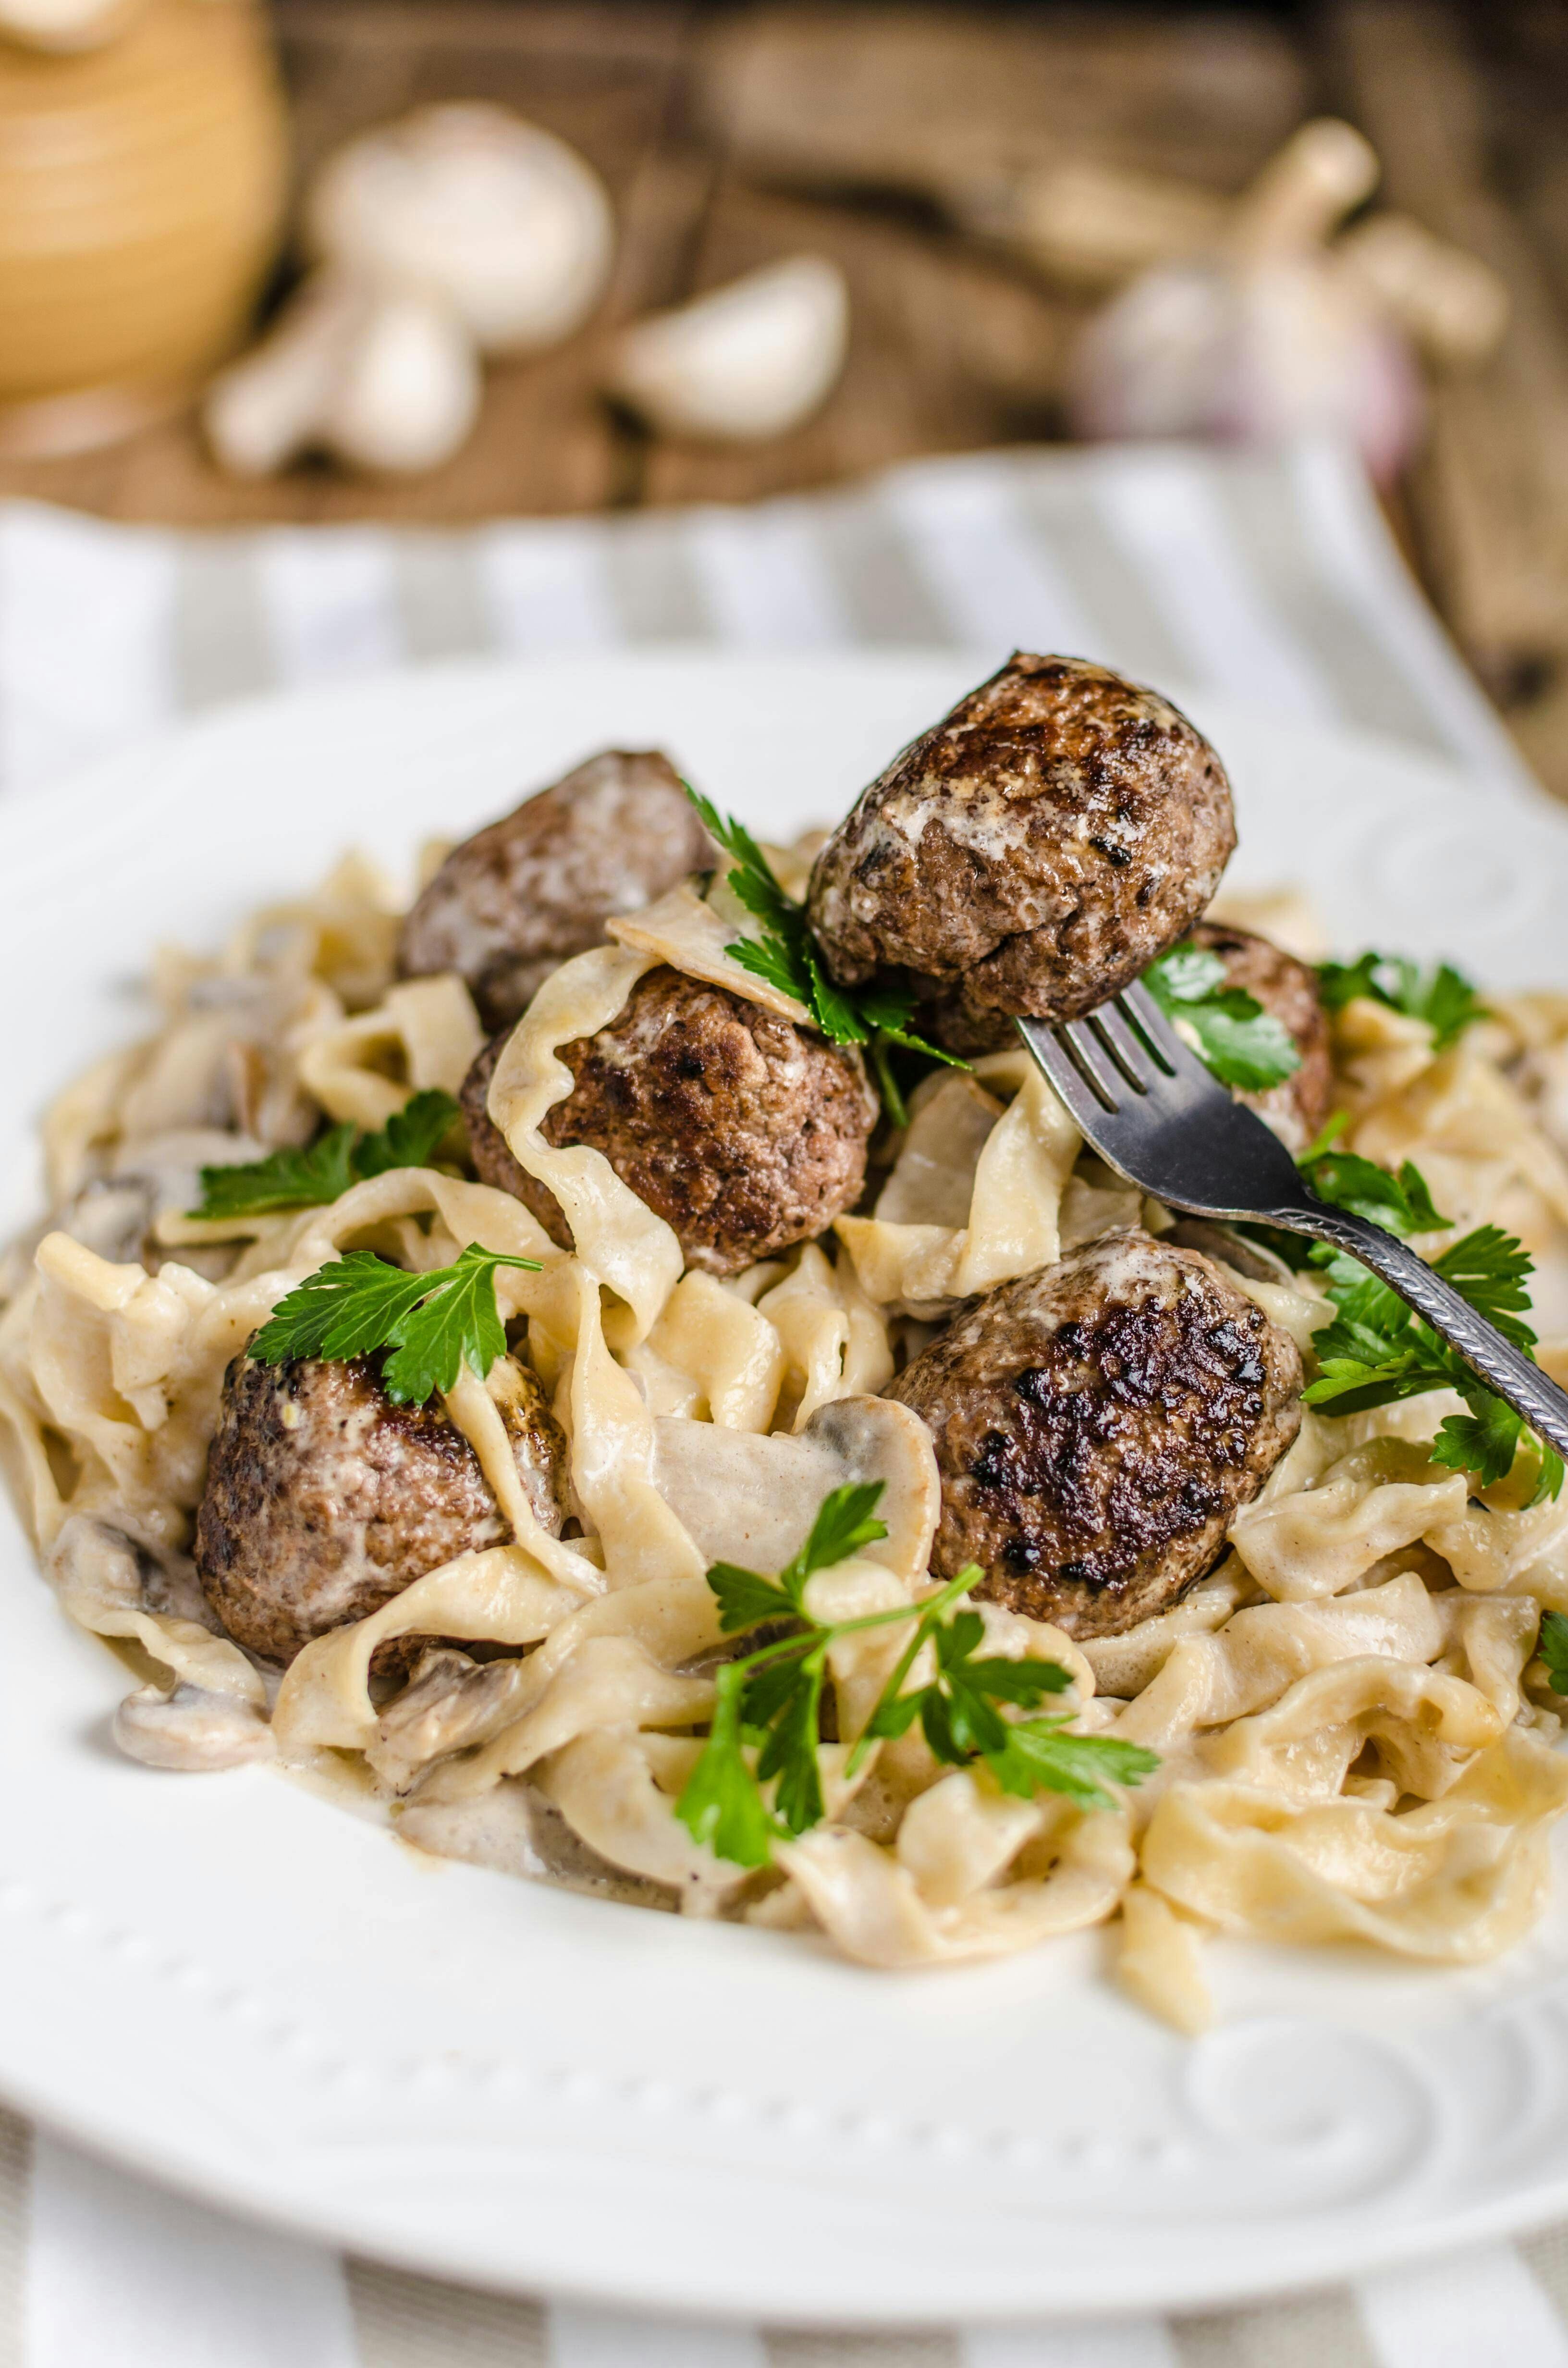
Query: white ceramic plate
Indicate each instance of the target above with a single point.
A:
(236, 1987)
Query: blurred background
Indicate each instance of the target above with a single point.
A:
(975, 228)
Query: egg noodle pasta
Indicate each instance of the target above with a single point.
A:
(1355, 1737)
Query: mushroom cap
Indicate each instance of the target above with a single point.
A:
(469, 203)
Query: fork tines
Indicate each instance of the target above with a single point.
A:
(1126, 1046)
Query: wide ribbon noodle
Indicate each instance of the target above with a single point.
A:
(1354, 1739)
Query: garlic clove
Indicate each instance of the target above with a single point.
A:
(389, 382)
(468, 203)
(410, 392)
(747, 361)
(1455, 306)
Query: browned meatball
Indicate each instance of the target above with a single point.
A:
(1297, 1108)
(1029, 854)
(324, 1499)
(741, 1130)
(1097, 1426)
(511, 903)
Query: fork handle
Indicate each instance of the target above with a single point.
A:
(1505, 1368)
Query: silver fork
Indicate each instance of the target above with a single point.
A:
(1153, 1112)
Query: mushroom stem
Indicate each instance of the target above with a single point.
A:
(387, 381)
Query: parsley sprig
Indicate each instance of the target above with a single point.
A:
(1376, 1352)
(433, 1322)
(767, 1718)
(787, 955)
(1233, 1036)
(324, 1171)
(1552, 1646)
(1443, 997)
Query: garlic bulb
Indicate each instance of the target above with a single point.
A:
(1268, 338)
(503, 222)
(750, 360)
(1257, 355)
(386, 379)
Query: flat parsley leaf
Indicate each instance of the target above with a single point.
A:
(746, 1599)
(1378, 1351)
(846, 1521)
(410, 1137)
(1401, 1204)
(957, 1710)
(961, 1722)
(786, 956)
(1443, 997)
(324, 1171)
(1235, 1038)
(766, 1721)
(1552, 1647)
(359, 1304)
(721, 1805)
(1043, 1755)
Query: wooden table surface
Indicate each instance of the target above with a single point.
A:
(727, 137)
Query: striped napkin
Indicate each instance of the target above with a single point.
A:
(1271, 580)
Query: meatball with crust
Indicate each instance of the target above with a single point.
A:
(1098, 1425)
(1296, 1108)
(744, 1132)
(516, 900)
(324, 1499)
(1031, 854)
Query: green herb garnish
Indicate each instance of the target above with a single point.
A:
(1378, 1351)
(433, 1322)
(324, 1171)
(1233, 1036)
(1443, 997)
(1552, 1646)
(765, 1725)
(787, 955)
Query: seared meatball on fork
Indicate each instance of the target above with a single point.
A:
(1029, 855)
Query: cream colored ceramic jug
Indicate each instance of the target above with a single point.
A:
(141, 195)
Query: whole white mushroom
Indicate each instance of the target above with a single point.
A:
(746, 361)
(384, 379)
(503, 222)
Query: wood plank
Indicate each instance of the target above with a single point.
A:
(949, 352)
(1491, 492)
(930, 99)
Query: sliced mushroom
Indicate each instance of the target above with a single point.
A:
(451, 1702)
(191, 1729)
(514, 1829)
(751, 1498)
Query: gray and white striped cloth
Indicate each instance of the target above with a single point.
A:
(1272, 580)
